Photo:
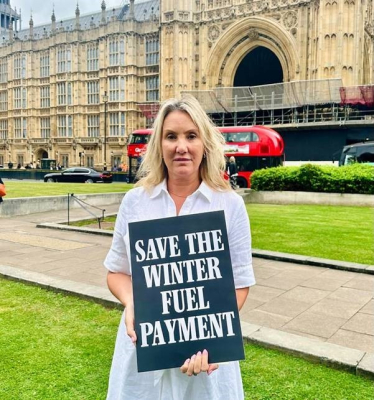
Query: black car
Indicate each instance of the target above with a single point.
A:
(79, 175)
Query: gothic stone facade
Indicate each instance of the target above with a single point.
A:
(53, 78)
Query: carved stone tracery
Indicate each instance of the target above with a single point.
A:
(213, 33)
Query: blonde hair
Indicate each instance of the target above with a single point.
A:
(232, 159)
(153, 170)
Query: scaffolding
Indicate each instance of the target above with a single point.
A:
(293, 103)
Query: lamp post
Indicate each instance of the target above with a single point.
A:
(105, 101)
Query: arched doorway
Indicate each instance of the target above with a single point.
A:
(259, 67)
(41, 153)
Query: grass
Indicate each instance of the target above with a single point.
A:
(54, 346)
(337, 233)
(340, 233)
(34, 189)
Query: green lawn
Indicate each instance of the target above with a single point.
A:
(337, 233)
(34, 189)
(54, 346)
(340, 233)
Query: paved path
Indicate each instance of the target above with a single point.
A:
(327, 305)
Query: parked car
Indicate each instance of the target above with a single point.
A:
(79, 175)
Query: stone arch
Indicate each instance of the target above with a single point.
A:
(41, 153)
(242, 37)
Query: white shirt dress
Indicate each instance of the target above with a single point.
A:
(125, 383)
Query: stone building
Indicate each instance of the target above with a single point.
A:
(73, 90)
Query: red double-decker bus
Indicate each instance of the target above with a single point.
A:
(254, 147)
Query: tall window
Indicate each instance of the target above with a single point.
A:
(116, 88)
(63, 59)
(116, 52)
(20, 160)
(1, 159)
(65, 160)
(93, 92)
(65, 126)
(64, 90)
(3, 129)
(44, 65)
(93, 123)
(152, 88)
(45, 127)
(20, 66)
(90, 161)
(45, 99)
(117, 124)
(20, 128)
(152, 51)
(4, 100)
(19, 98)
(92, 57)
(3, 70)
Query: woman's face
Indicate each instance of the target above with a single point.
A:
(182, 146)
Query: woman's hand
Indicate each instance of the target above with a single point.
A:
(198, 363)
(130, 322)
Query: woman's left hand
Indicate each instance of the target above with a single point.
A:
(198, 363)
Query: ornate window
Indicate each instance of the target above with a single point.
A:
(19, 98)
(93, 92)
(116, 52)
(4, 100)
(44, 65)
(93, 57)
(3, 130)
(4, 70)
(117, 124)
(152, 88)
(45, 127)
(45, 99)
(65, 126)
(152, 51)
(64, 90)
(116, 86)
(20, 66)
(93, 124)
(63, 59)
(20, 128)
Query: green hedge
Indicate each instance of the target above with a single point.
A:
(356, 178)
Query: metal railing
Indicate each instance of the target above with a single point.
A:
(85, 206)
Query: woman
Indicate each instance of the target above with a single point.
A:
(181, 173)
(233, 172)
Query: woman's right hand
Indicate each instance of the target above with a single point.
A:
(130, 322)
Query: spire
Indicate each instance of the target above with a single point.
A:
(53, 19)
(31, 25)
(77, 14)
(132, 10)
(11, 32)
(103, 12)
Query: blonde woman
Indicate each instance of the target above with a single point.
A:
(181, 173)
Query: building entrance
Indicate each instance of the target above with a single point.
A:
(259, 67)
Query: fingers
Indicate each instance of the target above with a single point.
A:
(212, 368)
(204, 362)
(191, 366)
(184, 367)
(198, 363)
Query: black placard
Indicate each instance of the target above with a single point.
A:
(184, 294)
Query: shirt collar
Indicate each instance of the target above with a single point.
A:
(161, 187)
(204, 189)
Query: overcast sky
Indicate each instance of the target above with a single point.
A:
(42, 10)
